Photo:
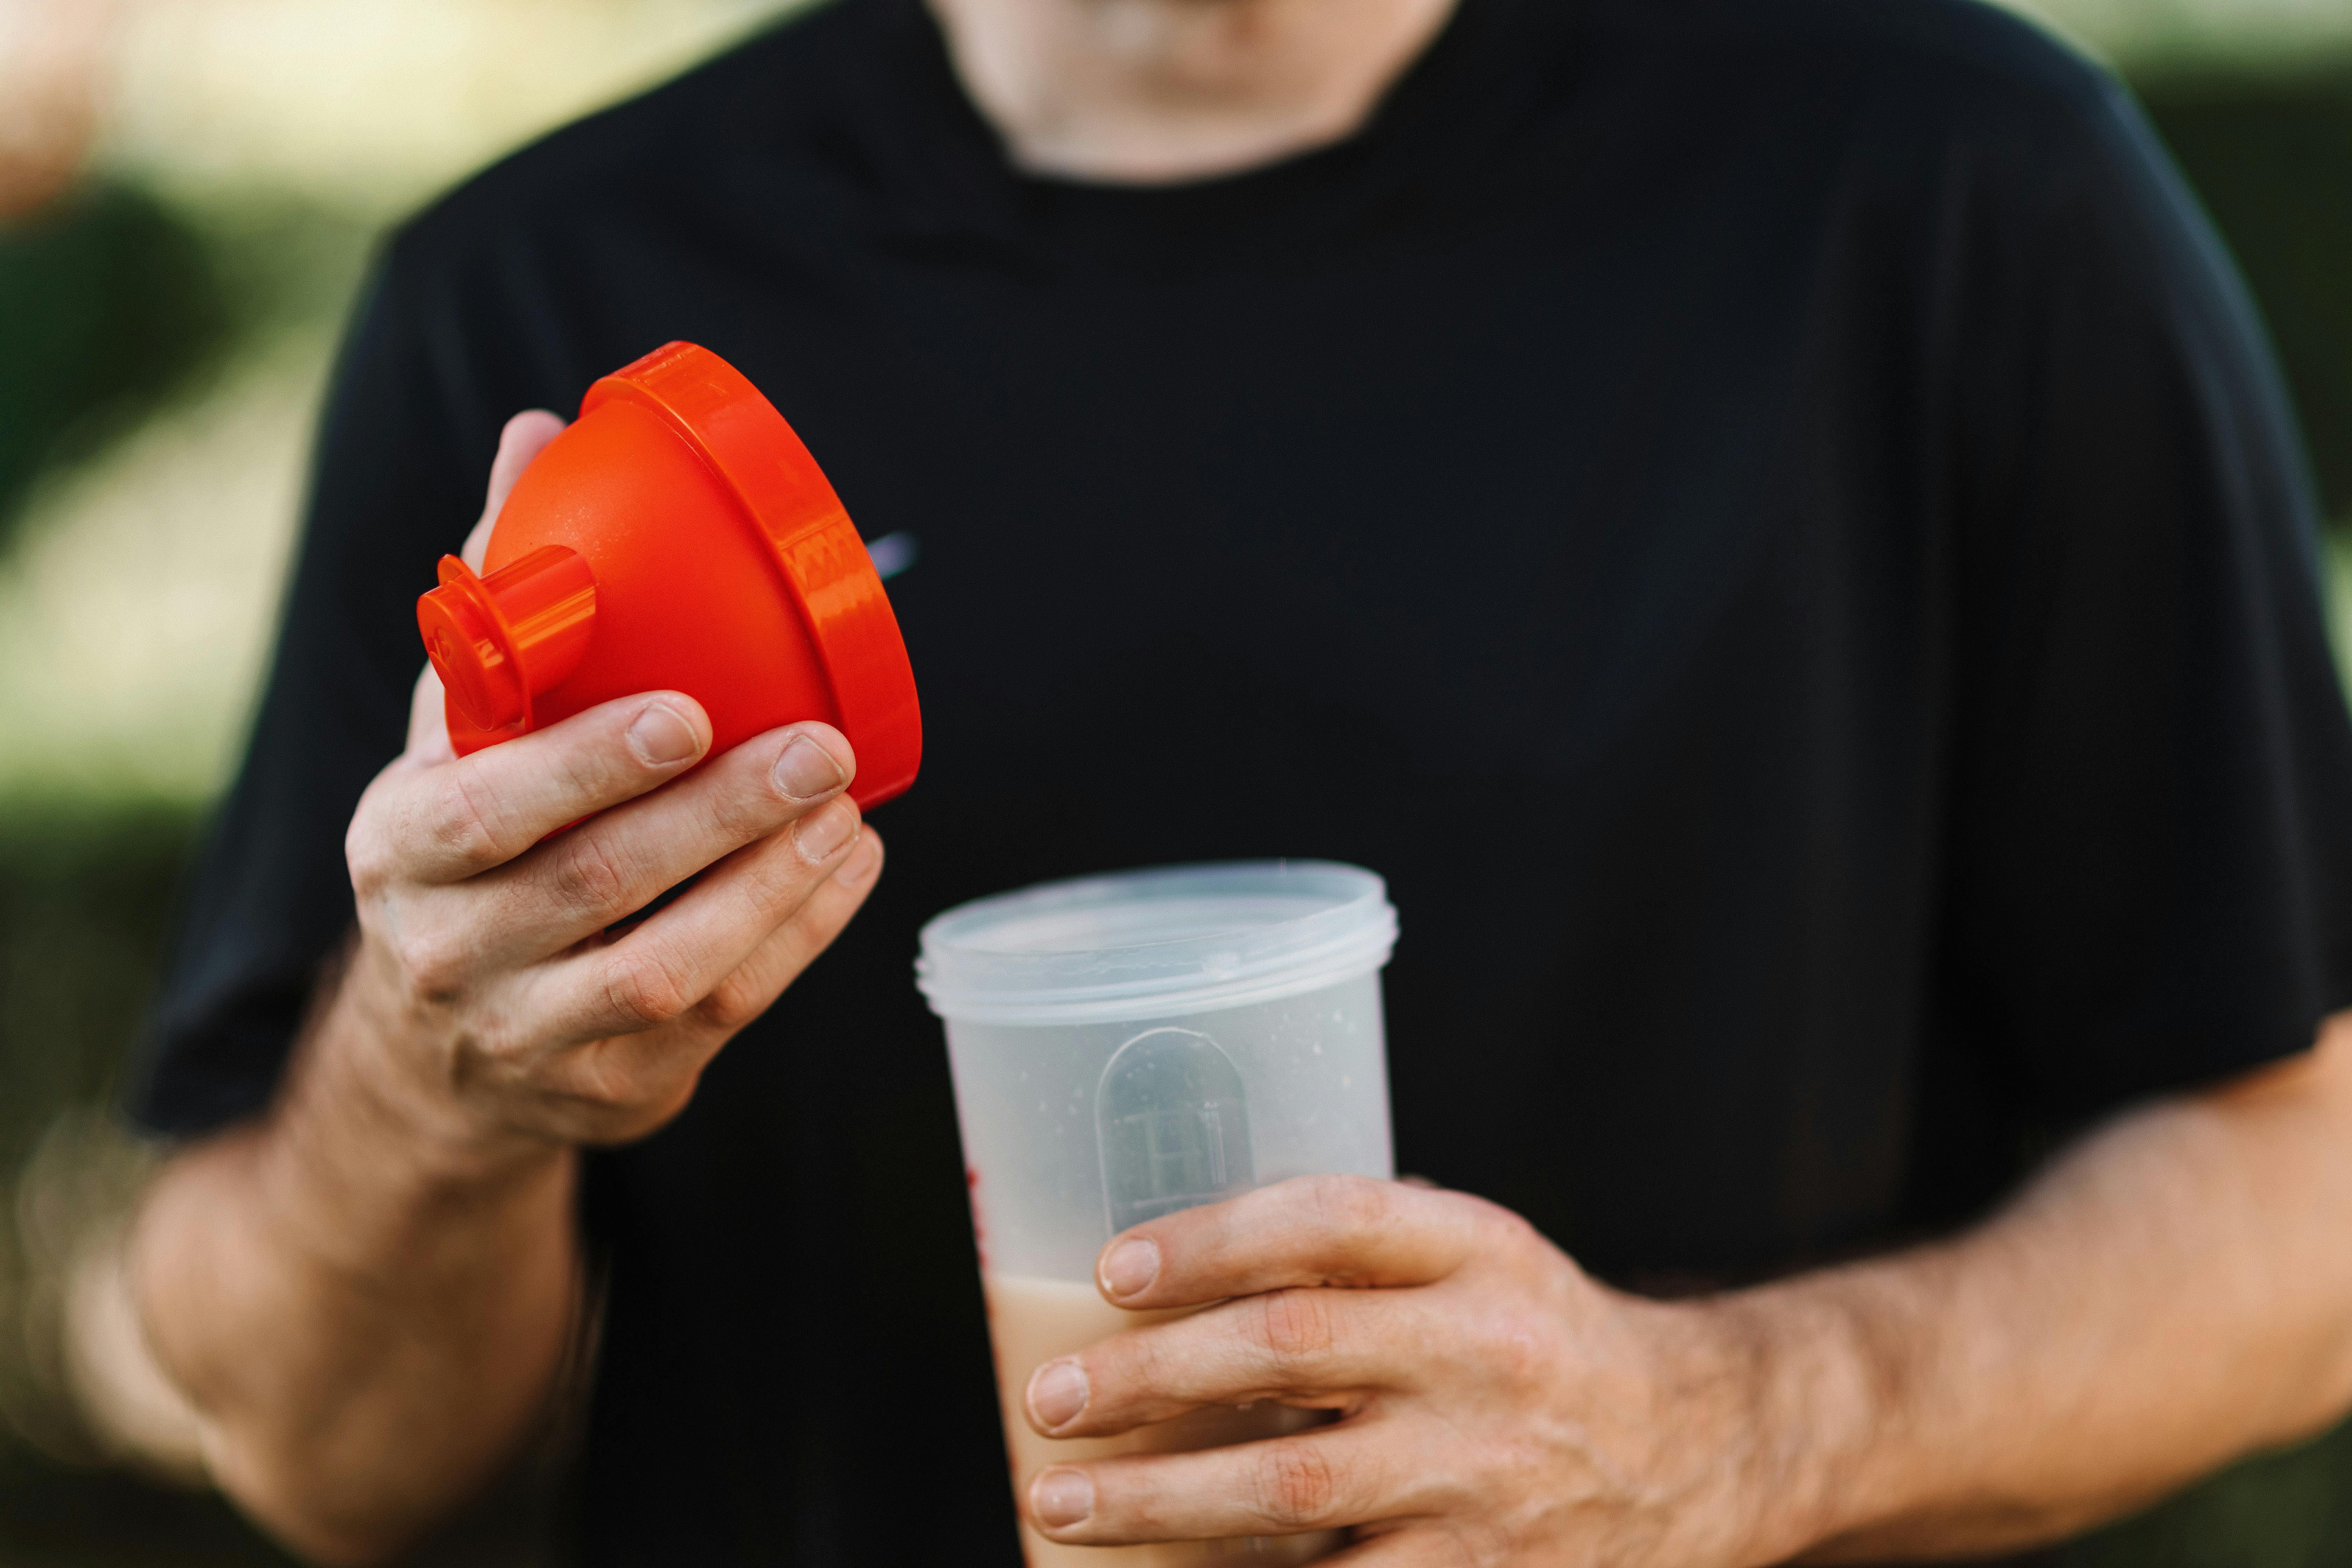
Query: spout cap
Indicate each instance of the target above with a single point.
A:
(499, 641)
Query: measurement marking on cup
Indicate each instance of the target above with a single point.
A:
(1173, 1125)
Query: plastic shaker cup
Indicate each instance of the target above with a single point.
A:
(1128, 1046)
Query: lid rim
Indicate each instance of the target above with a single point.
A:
(1354, 930)
(738, 433)
(1171, 1006)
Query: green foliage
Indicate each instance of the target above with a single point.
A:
(2273, 160)
(85, 899)
(2284, 1510)
(56, 1515)
(85, 895)
(107, 300)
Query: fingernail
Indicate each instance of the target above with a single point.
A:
(822, 831)
(806, 770)
(1062, 1497)
(1057, 1391)
(660, 736)
(1129, 1266)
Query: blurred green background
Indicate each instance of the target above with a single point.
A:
(188, 190)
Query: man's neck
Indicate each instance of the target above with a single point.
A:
(1150, 91)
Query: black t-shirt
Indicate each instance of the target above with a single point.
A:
(1770, 522)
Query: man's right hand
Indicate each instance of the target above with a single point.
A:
(370, 1292)
(498, 973)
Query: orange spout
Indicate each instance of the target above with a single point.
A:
(499, 641)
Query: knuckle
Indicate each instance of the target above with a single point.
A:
(1296, 1485)
(617, 1095)
(735, 1003)
(587, 772)
(436, 963)
(1293, 1326)
(461, 824)
(1133, 1367)
(774, 882)
(368, 858)
(1476, 1543)
(641, 991)
(1351, 1204)
(1494, 1232)
(588, 878)
(733, 799)
(604, 1080)
(1510, 1231)
(741, 816)
(747, 807)
(372, 840)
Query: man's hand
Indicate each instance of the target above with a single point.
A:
(502, 988)
(1495, 1404)
(370, 1293)
(498, 965)
(2170, 1294)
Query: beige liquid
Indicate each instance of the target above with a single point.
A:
(1032, 1322)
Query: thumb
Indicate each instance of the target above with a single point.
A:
(525, 436)
(428, 722)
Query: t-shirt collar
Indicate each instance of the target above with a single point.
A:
(948, 180)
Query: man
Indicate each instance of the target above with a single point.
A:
(1768, 520)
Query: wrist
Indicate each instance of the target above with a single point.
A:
(378, 1064)
(1807, 1411)
(372, 1159)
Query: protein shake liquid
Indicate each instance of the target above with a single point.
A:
(1030, 1321)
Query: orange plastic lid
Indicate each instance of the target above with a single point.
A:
(739, 434)
(636, 554)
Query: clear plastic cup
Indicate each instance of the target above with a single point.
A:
(1124, 1046)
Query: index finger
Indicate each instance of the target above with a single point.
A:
(1310, 1230)
(451, 820)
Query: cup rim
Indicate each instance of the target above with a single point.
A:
(1083, 950)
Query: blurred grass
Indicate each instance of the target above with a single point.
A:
(2272, 156)
(84, 896)
(56, 1516)
(85, 899)
(115, 304)
(118, 302)
(2283, 1511)
(111, 302)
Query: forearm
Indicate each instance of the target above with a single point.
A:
(2170, 1295)
(369, 1296)
(369, 1314)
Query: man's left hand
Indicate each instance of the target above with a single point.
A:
(1494, 1403)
